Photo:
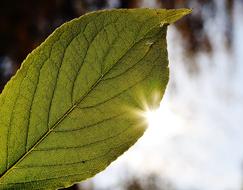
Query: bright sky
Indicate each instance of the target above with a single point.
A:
(195, 138)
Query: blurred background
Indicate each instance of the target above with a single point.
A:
(194, 139)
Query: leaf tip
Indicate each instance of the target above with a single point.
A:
(169, 16)
(185, 11)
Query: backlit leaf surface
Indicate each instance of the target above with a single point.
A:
(73, 107)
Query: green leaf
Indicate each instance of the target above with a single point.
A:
(73, 106)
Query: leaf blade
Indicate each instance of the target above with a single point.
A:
(94, 58)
